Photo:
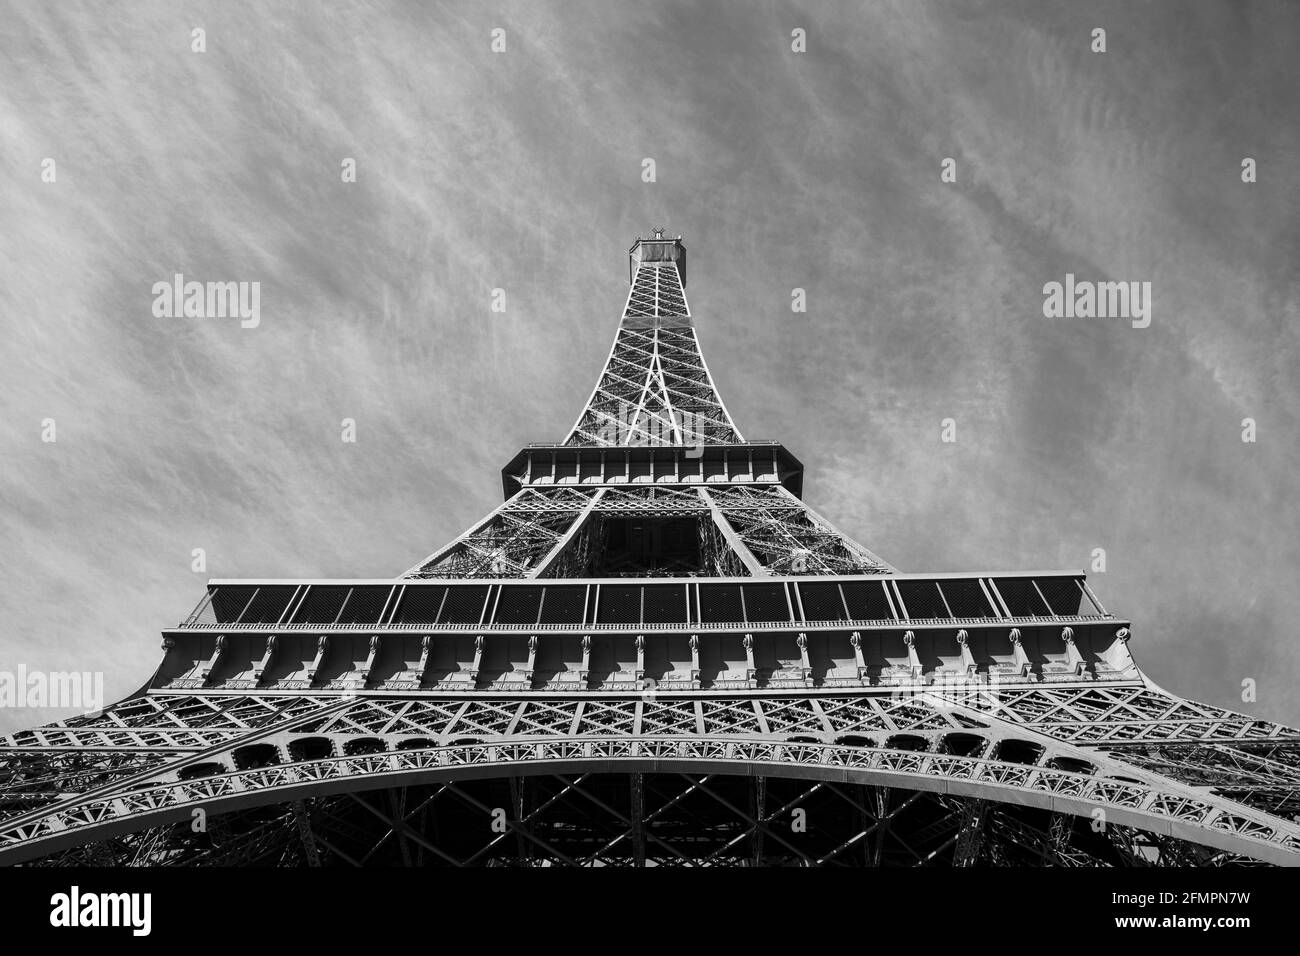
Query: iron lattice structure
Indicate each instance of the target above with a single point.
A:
(653, 653)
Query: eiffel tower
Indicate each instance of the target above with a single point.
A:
(653, 653)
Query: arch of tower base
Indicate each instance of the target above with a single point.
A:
(478, 804)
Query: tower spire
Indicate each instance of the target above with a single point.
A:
(654, 419)
(655, 389)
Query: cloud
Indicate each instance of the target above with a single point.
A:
(521, 171)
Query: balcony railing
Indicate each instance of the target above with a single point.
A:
(647, 604)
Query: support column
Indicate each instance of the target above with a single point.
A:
(746, 556)
(638, 820)
(758, 810)
(304, 833)
(971, 837)
(559, 547)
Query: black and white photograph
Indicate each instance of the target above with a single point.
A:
(638, 435)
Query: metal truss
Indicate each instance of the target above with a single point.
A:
(923, 743)
(815, 708)
(1114, 714)
(1264, 775)
(1125, 804)
(645, 819)
(549, 532)
(657, 293)
(655, 389)
(788, 537)
(514, 540)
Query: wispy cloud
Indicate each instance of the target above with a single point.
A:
(521, 171)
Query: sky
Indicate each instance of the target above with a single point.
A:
(522, 170)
